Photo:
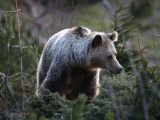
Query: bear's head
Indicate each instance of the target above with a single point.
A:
(103, 52)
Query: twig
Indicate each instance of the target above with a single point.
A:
(20, 47)
(34, 32)
(29, 75)
(61, 20)
(116, 15)
(103, 19)
(158, 35)
(13, 75)
(107, 5)
(15, 11)
(150, 99)
(8, 11)
(72, 13)
(26, 15)
(36, 35)
(47, 32)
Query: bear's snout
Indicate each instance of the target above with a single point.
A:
(120, 69)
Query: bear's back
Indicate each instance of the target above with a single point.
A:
(65, 47)
(66, 41)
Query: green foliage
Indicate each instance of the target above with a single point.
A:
(8, 34)
(10, 60)
(34, 117)
(50, 105)
(150, 76)
(110, 115)
(78, 107)
(54, 107)
(148, 73)
(101, 107)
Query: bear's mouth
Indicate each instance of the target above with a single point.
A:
(111, 72)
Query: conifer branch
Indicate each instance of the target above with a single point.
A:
(7, 75)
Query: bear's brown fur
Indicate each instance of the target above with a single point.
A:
(72, 59)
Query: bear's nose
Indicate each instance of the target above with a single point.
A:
(120, 69)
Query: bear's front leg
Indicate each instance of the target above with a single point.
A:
(83, 82)
(56, 80)
(90, 88)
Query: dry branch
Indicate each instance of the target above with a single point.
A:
(20, 47)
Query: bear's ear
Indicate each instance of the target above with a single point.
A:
(97, 41)
(113, 36)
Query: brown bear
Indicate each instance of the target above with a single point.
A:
(72, 59)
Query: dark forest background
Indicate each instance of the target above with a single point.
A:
(26, 25)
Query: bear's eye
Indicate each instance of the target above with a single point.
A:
(109, 57)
